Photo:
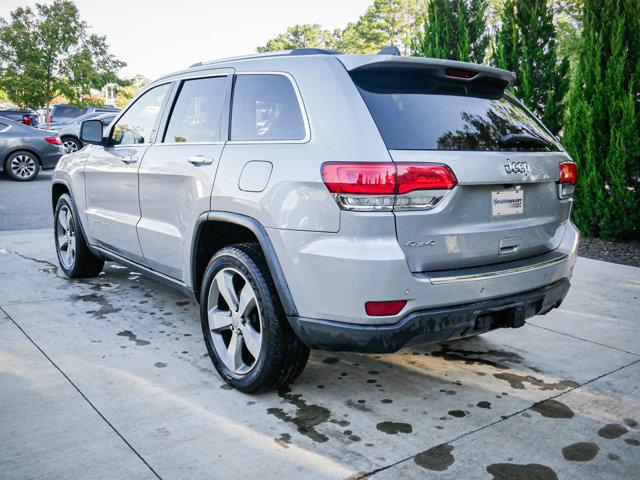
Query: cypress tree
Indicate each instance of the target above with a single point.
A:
(526, 45)
(603, 120)
(455, 30)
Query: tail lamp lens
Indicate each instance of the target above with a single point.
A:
(382, 309)
(53, 140)
(568, 179)
(384, 186)
(26, 120)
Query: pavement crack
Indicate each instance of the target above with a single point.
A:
(584, 339)
(502, 419)
(82, 395)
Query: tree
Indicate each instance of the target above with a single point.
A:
(526, 44)
(309, 35)
(603, 119)
(385, 23)
(128, 91)
(455, 30)
(48, 52)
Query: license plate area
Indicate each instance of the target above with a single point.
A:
(507, 202)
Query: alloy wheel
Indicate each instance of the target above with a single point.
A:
(23, 166)
(70, 146)
(235, 321)
(66, 237)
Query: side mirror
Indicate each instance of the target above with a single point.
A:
(91, 132)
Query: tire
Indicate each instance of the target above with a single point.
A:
(79, 262)
(22, 166)
(71, 144)
(281, 356)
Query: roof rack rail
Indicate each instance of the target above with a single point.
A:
(281, 53)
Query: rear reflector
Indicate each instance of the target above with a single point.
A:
(53, 140)
(568, 173)
(381, 309)
(457, 73)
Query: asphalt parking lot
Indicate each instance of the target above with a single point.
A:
(25, 205)
(108, 378)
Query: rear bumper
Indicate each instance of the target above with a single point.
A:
(432, 325)
(50, 156)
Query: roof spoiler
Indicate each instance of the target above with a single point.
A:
(463, 71)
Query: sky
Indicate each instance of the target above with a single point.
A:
(159, 37)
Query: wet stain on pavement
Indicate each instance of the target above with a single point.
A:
(183, 303)
(105, 306)
(133, 338)
(553, 409)
(484, 404)
(160, 364)
(514, 471)
(630, 422)
(49, 267)
(306, 417)
(517, 382)
(283, 440)
(226, 386)
(393, 428)
(613, 456)
(580, 452)
(331, 360)
(437, 458)
(634, 442)
(612, 430)
(470, 357)
(458, 413)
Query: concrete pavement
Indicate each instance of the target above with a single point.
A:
(108, 378)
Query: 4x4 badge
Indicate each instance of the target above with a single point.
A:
(517, 167)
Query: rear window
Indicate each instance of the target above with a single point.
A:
(67, 111)
(415, 109)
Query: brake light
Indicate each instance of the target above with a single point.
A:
(457, 73)
(568, 179)
(385, 186)
(53, 140)
(381, 309)
(26, 120)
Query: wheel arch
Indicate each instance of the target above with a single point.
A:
(215, 230)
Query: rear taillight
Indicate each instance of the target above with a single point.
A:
(26, 120)
(568, 179)
(53, 140)
(383, 309)
(385, 186)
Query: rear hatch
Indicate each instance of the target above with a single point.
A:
(505, 205)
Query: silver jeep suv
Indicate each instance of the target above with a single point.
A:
(309, 199)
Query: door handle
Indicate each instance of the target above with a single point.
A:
(130, 159)
(200, 160)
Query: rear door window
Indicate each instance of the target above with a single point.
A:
(415, 109)
(197, 113)
(265, 108)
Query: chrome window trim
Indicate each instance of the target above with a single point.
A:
(188, 143)
(472, 277)
(303, 112)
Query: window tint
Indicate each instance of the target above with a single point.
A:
(265, 107)
(197, 113)
(136, 125)
(416, 110)
(67, 110)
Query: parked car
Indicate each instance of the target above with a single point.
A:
(63, 113)
(70, 132)
(22, 115)
(24, 150)
(310, 199)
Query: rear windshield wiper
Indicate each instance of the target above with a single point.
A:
(522, 140)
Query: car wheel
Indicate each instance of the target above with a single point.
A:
(22, 166)
(74, 256)
(248, 336)
(71, 144)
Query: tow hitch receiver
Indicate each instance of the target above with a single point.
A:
(509, 317)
